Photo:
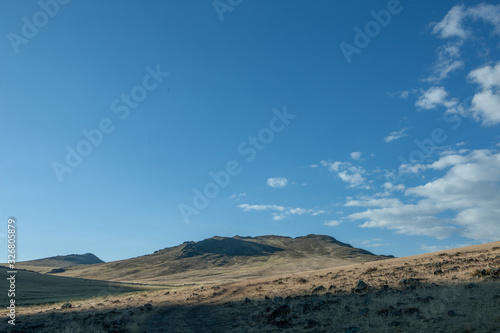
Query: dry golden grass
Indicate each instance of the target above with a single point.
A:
(437, 292)
(173, 266)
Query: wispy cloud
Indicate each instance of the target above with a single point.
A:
(396, 135)
(436, 248)
(248, 208)
(375, 242)
(332, 223)
(237, 196)
(448, 61)
(401, 94)
(281, 212)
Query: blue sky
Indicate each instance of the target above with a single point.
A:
(375, 122)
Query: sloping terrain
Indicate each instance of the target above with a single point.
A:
(228, 259)
(35, 288)
(59, 263)
(448, 291)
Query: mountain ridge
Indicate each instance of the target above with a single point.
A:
(228, 258)
(65, 260)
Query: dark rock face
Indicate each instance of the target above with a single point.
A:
(228, 247)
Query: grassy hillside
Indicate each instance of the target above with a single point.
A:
(59, 262)
(228, 259)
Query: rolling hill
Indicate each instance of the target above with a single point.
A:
(59, 263)
(228, 259)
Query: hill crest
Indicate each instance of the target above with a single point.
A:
(64, 261)
(228, 258)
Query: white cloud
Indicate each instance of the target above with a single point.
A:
(353, 175)
(488, 13)
(435, 97)
(451, 25)
(486, 103)
(444, 162)
(396, 135)
(356, 155)
(464, 201)
(432, 98)
(335, 166)
(277, 182)
(486, 106)
(332, 223)
(487, 77)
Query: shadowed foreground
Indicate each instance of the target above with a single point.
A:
(432, 308)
